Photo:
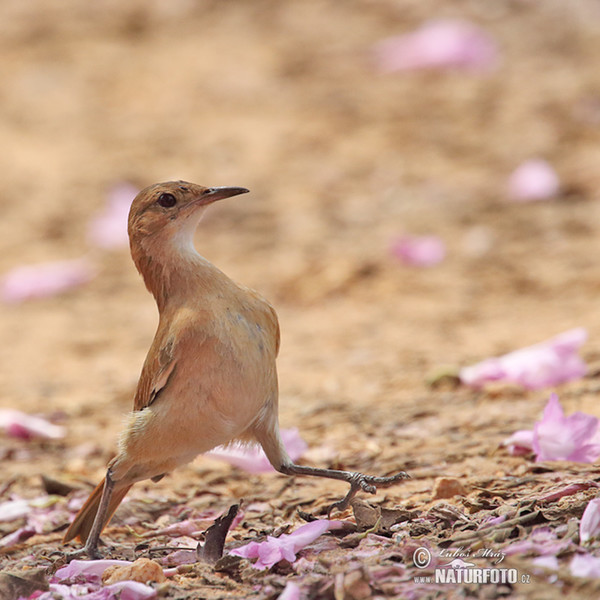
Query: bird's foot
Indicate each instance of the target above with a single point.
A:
(93, 553)
(367, 483)
(82, 553)
(88, 551)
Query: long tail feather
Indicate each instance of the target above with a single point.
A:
(82, 525)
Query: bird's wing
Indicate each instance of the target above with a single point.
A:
(274, 321)
(169, 348)
(271, 320)
(159, 366)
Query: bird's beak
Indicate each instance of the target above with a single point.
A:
(219, 193)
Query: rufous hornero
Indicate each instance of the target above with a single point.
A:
(210, 376)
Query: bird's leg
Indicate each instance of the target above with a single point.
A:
(91, 545)
(357, 481)
(269, 438)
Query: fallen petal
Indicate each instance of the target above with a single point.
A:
(249, 550)
(86, 570)
(520, 442)
(493, 521)
(45, 279)
(556, 437)
(130, 590)
(14, 509)
(72, 592)
(180, 557)
(309, 532)
(546, 562)
(286, 546)
(45, 520)
(569, 490)
(108, 229)
(419, 251)
(24, 426)
(541, 541)
(188, 527)
(548, 363)
(483, 372)
(16, 537)
(589, 527)
(585, 565)
(532, 181)
(290, 592)
(123, 590)
(440, 44)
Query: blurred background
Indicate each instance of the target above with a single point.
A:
(351, 135)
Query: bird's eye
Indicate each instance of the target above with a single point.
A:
(166, 200)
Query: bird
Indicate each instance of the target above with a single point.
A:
(210, 375)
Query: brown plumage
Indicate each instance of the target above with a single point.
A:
(210, 376)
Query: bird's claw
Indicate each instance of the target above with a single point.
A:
(367, 483)
(94, 553)
(91, 551)
(83, 553)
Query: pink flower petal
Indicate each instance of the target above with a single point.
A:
(253, 459)
(569, 341)
(108, 229)
(493, 521)
(45, 519)
(45, 279)
(423, 251)
(16, 537)
(20, 425)
(589, 527)
(542, 540)
(181, 557)
(42, 515)
(546, 562)
(196, 526)
(188, 527)
(557, 437)
(122, 590)
(440, 44)
(568, 490)
(286, 546)
(290, 592)
(73, 592)
(585, 565)
(548, 363)
(11, 510)
(532, 181)
(86, 570)
(488, 370)
(130, 590)
(519, 443)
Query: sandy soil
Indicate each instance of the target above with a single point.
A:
(284, 98)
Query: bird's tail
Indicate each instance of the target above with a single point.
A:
(82, 524)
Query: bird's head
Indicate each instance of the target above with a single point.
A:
(164, 216)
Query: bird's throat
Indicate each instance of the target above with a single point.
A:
(173, 271)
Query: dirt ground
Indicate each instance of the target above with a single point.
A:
(285, 99)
